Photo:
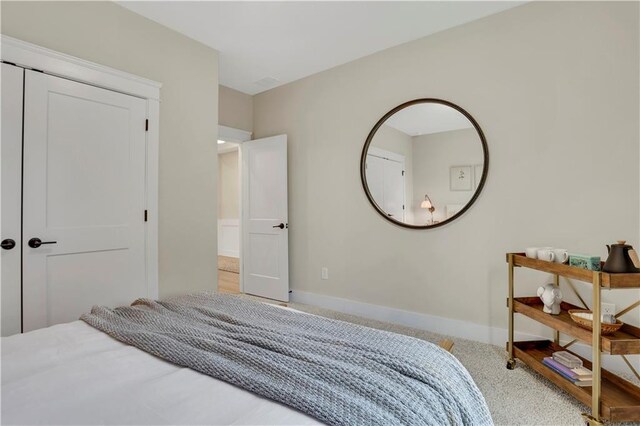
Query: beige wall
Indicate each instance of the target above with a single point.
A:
(433, 156)
(235, 109)
(554, 86)
(108, 34)
(228, 186)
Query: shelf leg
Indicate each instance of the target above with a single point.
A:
(556, 333)
(590, 421)
(596, 388)
(511, 363)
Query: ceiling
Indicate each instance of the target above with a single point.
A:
(266, 44)
(424, 119)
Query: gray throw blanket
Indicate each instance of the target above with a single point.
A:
(337, 372)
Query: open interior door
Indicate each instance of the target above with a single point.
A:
(265, 228)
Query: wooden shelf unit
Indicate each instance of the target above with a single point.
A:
(611, 397)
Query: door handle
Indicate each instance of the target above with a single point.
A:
(37, 242)
(8, 244)
(281, 226)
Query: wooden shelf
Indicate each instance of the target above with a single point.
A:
(608, 280)
(620, 399)
(623, 342)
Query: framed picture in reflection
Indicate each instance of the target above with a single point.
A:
(461, 178)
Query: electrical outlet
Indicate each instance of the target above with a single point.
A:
(325, 273)
(607, 308)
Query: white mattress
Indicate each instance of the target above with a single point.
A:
(74, 374)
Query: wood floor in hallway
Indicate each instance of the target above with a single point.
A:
(228, 282)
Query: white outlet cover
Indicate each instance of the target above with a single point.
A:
(607, 308)
(325, 273)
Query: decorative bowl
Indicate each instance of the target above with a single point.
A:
(584, 319)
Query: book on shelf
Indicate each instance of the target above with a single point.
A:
(582, 372)
(580, 376)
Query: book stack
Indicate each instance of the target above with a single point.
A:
(579, 376)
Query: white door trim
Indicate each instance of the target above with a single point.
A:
(32, 56)
(386, 155)
(229, 134)
(29, 55)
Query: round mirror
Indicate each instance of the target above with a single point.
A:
(424, 163)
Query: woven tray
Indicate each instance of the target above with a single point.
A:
(588, 323)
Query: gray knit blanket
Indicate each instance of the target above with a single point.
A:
(337, 372)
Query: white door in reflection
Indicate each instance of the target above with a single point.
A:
(386, 181)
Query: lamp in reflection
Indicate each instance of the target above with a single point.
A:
(427, 204)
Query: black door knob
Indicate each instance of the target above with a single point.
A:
(8, 244)
(281, 226)
(37, 242)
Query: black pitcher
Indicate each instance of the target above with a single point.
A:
(620, 260)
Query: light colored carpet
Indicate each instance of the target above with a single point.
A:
(515, 397)
(229, 264)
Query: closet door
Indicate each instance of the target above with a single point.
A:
(385, 180)
(394, 189)
(84, 199)
(375, 178)
(11, 153)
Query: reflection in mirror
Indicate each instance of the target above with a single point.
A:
(424, 163)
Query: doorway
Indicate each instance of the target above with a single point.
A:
(253, 227)
(228, 217)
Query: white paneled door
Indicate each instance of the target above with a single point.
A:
(394, 189)
(265, 228)
(83, 199)
(12, 78)
(385, 179)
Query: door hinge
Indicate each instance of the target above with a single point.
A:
(145, 215)
(403, 207)
(146, 125)
(403, 173)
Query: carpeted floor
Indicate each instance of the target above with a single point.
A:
(229, 264)
(515, 397)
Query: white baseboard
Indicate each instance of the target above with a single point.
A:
(229, 253)
(448, 326)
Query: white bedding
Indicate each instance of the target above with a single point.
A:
(74, 374)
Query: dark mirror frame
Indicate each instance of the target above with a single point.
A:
(363, 158)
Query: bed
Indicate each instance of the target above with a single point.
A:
(75, 373)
